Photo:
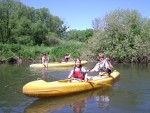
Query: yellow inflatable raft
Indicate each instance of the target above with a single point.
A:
(41, 88)
(56, 64)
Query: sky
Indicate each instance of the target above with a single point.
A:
(79, 14)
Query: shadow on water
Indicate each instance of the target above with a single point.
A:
(73, 103)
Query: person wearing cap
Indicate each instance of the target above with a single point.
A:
(104, 66)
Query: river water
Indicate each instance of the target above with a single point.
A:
(130, 94)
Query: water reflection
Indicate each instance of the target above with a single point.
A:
(103, 101)
(131, 94)
(78, 106)
(44, 73)
(41, 73)
(77, 103)
(48, 74)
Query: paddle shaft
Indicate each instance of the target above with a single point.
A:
(91, 83)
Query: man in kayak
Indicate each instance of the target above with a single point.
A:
(104, 66)
(78, 73)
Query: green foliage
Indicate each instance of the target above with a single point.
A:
(9, 54)
(122, 34)
(15, 48)
(20, 22)
(122, 37)
(26, 54)
(52, 42)
(52, 39)
(4, 48)
(79, 35)
(75, 48)
(24, 40)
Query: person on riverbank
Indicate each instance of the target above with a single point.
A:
(78, 72)
(104, 66)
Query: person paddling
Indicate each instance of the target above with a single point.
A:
(78, 72)
(104, 66)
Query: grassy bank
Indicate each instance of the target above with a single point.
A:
(55, 53)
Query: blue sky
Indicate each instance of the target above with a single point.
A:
(78, 14)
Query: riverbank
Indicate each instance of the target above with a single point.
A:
(16, 53)
(13, 53)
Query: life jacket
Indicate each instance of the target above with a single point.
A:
(104, 68)
(78, 73)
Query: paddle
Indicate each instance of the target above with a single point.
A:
(99, 83)
(69, 79)
(90, 69)
(65, 80)
(104, 84)
(44, 65)
(69, 54)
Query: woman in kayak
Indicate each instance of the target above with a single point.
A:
(103, 66)
(78, 73)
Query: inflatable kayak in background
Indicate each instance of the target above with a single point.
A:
(41, 88)
(56, 64)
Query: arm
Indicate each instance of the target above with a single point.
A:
(85, 76)
(96, 68)
(70, 75)
(109, 65)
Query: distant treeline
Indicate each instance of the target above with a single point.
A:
(123, 35)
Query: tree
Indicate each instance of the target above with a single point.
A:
(22, 23)
(121, 36)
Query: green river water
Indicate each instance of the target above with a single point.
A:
(130, 94)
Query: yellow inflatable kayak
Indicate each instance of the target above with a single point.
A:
(41, 88)
(56, 64)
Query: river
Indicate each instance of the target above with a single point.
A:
(130, 94)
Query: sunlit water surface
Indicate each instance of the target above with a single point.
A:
(130, 94)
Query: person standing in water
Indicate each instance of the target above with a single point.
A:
(45, 60)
